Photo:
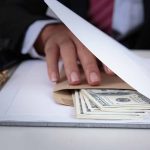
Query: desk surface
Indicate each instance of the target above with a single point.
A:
(23, 138)
(50, 138)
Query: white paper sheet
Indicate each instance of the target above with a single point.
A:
(27, 96)
(117, 57)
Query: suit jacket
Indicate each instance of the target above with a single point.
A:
(17, 15)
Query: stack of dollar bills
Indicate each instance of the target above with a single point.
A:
(110, 104)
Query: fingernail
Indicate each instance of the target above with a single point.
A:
(53, 77)
(74, 77)
(94, 77)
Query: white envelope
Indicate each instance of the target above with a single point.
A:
(118, 58)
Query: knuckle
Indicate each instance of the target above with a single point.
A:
(50, 48)
(90, 65)
(70, 66)
(67, 44)
(64, 41)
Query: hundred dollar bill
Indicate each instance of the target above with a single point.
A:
(94, 108)
(117, 99)
(83, 111)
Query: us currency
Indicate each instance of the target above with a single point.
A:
(87, 109)
(94, 108)
(117, 100)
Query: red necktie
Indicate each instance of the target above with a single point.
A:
(100, 14)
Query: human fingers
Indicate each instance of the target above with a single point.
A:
(89, 65)
(69, 57)
(52, 57)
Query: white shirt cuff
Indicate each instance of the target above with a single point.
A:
(31, 36)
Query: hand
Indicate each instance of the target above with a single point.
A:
(55, 42)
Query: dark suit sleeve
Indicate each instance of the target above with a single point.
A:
(15, 18)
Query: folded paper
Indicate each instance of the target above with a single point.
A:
(114, 55)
